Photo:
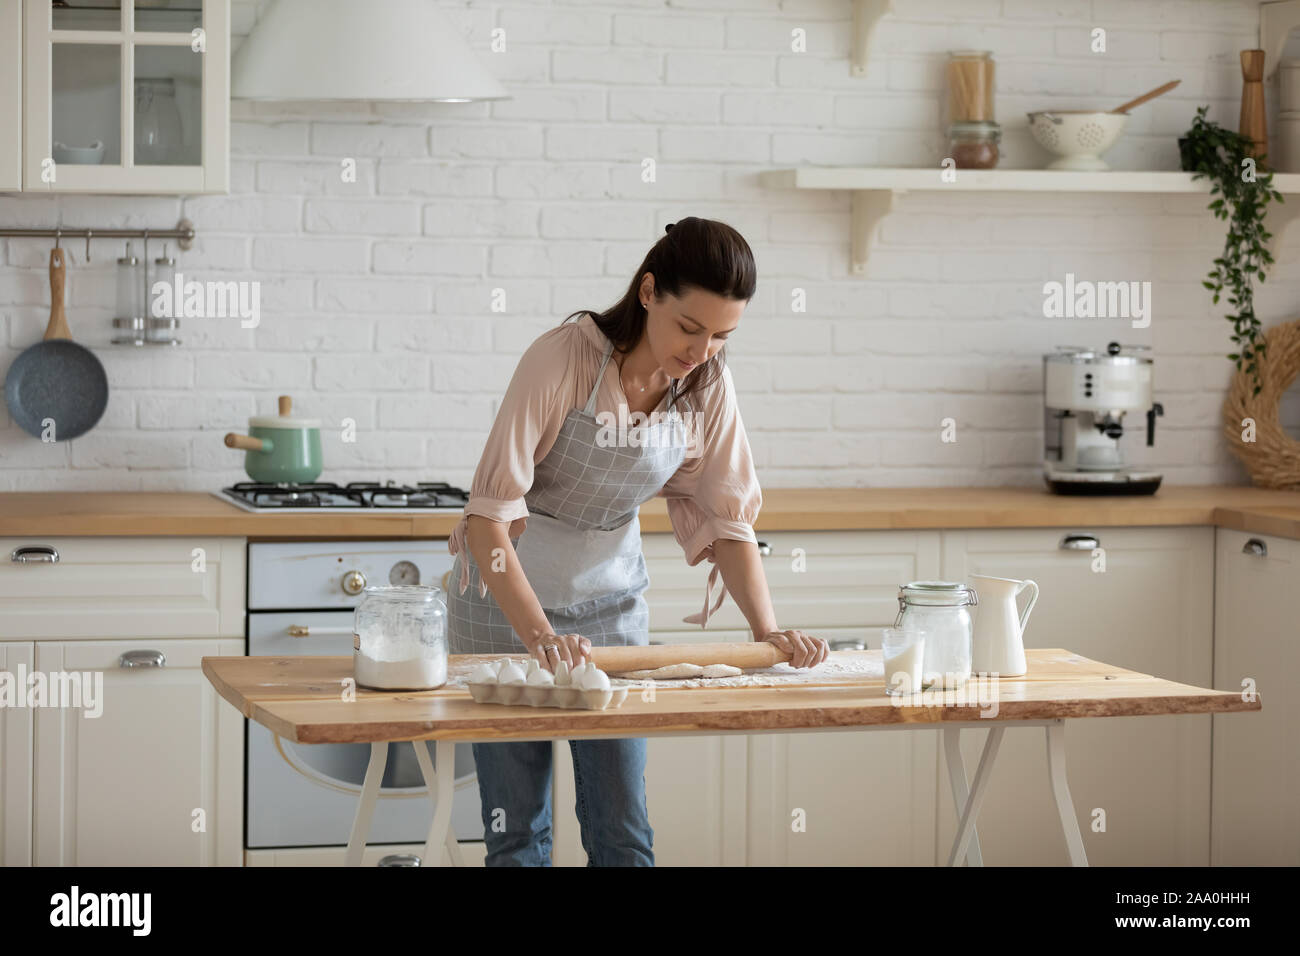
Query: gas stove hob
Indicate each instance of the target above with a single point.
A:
(431, 497)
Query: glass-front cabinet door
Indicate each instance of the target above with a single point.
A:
(127, 96)
(11, 95)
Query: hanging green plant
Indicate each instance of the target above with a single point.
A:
(1240, 193)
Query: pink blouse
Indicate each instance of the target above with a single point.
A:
(711, 496)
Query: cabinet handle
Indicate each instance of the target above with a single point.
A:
(302, 630)
(1079, 542)
(34, 554)
(764, 548)
(1256, 547)
(142, 659)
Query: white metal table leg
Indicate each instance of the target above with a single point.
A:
(442, 787)
(960, 787)
(966, 830)
(366, 808)
(441, 784)
(1061, 791)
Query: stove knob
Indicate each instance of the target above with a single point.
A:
(354, 582)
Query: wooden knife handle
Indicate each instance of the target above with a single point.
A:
(743, 654)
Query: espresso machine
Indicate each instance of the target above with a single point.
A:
(1086, 394)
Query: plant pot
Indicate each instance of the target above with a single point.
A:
(1184, 154)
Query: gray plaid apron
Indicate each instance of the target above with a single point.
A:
(581, 547)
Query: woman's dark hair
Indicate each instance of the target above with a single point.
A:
(692, 253)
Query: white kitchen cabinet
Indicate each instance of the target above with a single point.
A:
(11, 95)
(818, 579)
(123, 788)
(16, 723)
(147, 84)
(1151, 610)
(866, 797)
(121, 587)
(1256, 819)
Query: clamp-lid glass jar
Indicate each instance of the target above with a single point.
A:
(399, 639)
(939, 608)
(974, 145)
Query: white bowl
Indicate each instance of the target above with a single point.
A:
(91, 155)
(1078, 137)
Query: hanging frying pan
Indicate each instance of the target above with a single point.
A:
(56, 387)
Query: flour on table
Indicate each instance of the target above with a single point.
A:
(680, 671)
(842, 668)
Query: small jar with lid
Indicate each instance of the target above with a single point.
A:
(974, 145)
(129, 317)
(399, 638)
(940, 609)
(161, 324)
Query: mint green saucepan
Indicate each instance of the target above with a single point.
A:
(280, 449)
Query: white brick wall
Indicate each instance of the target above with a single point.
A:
(376, 294)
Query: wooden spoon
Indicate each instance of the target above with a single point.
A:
(1158, 91)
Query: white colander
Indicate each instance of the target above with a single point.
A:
(1078, 137)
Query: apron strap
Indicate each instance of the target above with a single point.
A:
(590, 407)
(702, 619)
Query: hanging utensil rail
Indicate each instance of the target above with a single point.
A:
(183, 234)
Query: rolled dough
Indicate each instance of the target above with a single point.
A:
(679, 671)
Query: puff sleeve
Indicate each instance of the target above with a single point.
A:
(715, 493)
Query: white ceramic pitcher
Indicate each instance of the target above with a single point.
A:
(998, 644)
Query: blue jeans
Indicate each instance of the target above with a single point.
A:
(514, 782)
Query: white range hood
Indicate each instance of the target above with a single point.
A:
(359, 50)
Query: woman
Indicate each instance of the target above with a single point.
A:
(548, 556)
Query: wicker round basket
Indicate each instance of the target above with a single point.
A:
(1273, 458)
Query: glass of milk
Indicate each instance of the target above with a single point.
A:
(904, 653)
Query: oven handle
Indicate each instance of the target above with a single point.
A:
(302, 630)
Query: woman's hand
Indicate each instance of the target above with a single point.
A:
(805, 650)
(550, 649)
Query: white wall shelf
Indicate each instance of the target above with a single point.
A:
(875, 189)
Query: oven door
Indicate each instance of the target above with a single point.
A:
(302, 795)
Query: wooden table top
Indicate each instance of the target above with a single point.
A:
(301, 700)
(1241, 507)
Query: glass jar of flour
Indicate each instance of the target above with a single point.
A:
(939, 608)
(399, 639)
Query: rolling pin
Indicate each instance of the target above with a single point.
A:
(743, 654)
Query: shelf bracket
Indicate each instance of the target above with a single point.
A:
(869, 207)
(1276, 21)
(866, 14)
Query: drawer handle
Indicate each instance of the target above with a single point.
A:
(1256, 547)
(302, 630)
(34, 554)
(764, 548)
(1079, 542)
(142, 659)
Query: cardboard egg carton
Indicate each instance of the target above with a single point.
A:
(540, 695)
(560, 694)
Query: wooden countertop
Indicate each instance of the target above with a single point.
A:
(1241, 507)
(301, 699)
